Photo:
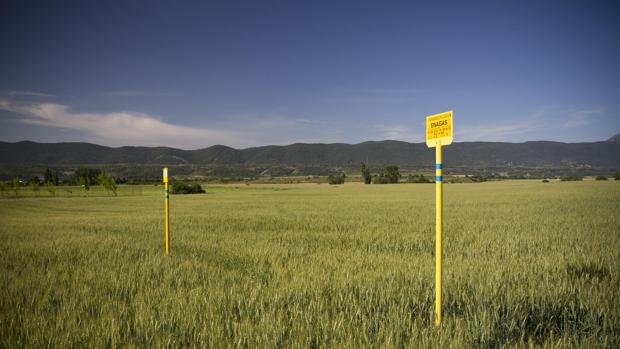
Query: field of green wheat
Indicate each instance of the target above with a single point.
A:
(526, 264)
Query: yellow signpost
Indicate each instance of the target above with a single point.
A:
(167, 209)
(439, 131)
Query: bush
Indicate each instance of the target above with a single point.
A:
(617, 176)
(366, 173)
(380, 180)
(391, 173)
(545, 180)
(86, 176)
(183, 188)
(16, 185)
(601, 178)
(336, 179)
(50, 188)
(571, 178)
(107, 182)
(418, 179)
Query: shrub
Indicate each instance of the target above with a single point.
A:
(16, 185)
(391, 173)
(86, 176)
(50, 188)
(336, 179)
(545, 180)
(380, 180)
(34, 186)
(366, 173)
(571, 178)
(617, 176)
(418, 179)
(601, 178)
(184, 188)
(107, 182)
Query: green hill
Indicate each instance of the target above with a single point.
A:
(466, 154)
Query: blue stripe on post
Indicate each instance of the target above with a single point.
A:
(438, 178)
(438, 166)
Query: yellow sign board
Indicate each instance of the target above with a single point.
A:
(165, 174)
(439, 129)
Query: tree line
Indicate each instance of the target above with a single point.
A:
(83, 176)
(390, 174)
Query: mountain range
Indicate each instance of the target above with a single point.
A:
(605, 154)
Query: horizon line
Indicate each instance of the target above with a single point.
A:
(290, 144)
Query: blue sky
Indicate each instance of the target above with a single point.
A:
(248, 73)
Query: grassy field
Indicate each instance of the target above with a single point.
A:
(526, 264)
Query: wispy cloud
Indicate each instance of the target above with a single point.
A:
(398, 133)
(544, 119)
(494, 132)
(29, 94)
(137, 128)
(125, 94)
(582, 117)
(283, 129)
(123, 127)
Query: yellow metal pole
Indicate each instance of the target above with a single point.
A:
(167, 209)
(438, 231)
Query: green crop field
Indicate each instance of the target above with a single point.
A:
(304, 266)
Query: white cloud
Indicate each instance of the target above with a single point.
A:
(544, 119)
(124, 127)
(493, 133)
(276, 129)
(136, 128)
(29, 94)
(582, 117)
(398, 133)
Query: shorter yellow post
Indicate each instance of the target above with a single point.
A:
(167, 209)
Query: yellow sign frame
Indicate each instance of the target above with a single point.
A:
(439, 128)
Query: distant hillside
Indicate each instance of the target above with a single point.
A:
(467, 154)
(615, 138)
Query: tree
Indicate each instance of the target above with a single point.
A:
(34, 180)
(617, 176)
(391, 173)
(366, 173)
(107, 182)
(48, 176)
(111, 186)
(55, 179)
(182, 188)
(16, 185)
(87, 176)
(83, 181)
(570, 178)
(380, 179)
(336, 179)
(417, 178)
(601, 178)
(34, 185)
(3, 187)
(49, 186)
